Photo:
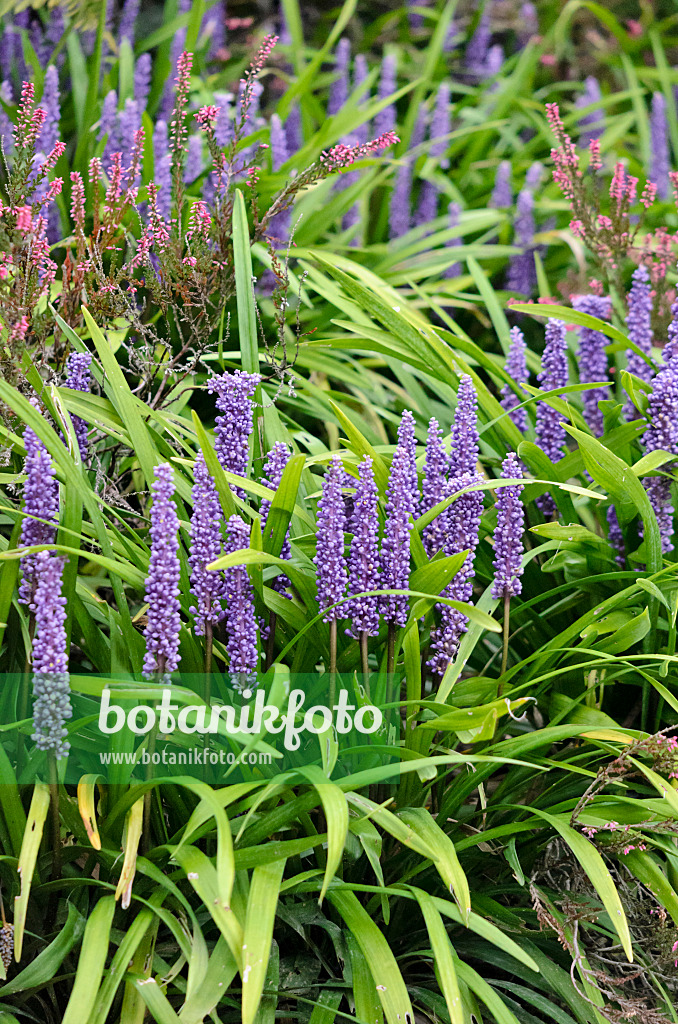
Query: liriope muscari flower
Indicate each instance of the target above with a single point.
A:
(142, 79)
(659, 146)
(516, 367)
(129, 121)
(128, 18)
(385, 120)
(207, 586)
(671, 346)
(162, 582)
(494, 61)
(550, 434)
(427, 208)
(330, 562)
(78, 378)
(453, 221)
(592, 358)
(508, 535)
(274, 467)
(41, 510)
(162, 168)
(223, 126)
(339, 87)
(639, 324)
(479, 44)
(407, 440)
(591, 124)
(241, 623)
(434, 485)
(234, 393)
(6, 127)
(615, 537)
(502, 193)
(293, 130)
(49, 133)
(51, 681)
(215, 26)
(395, 547)
(522, 273)
(464, 449)
(193, 165)
(462, 522)
(279, 151)
(663, 434)
(400, 219)
(363, 567)
(414, 17)
(176, 48)
(108, 126)
(528, 23)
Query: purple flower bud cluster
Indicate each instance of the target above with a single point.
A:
(550, 434)
(395, 548)
(407, 440)
(274, 467)
(502, 193)
(339, 87)
(108, 126)
(671, 346)
(241, 623)
(464, 450)
(592, 358)
(522, 273)
(427, 208)
(659, 492)
(41, 510)
(663, 434)
(479, 44)
(363, 568)
(591, 124)
(162, 165)
(434, 485)
(329, 559)
(51, 681)
(207, 586)
(234, 393)
(78, 378)
(639, 324)
(659, 146)
(508, 535)
(615, 537)
(516, 367)
(129, 122)
(462, 523)
(162, 582)
(400, 219)
(215, 25)
(49, 133)
(193, 165)
(142, 80)
(453, 221)
(128, 18)
(279, 150)
(385, 120)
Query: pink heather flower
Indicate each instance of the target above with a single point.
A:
(206, 117)
(594, 149)
(24, 219)
(649, 194)
(199, 221)
(577, 228)
(342, 155)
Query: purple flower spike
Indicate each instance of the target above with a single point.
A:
(51, 681)
(508, 536)
(128, 18)
(453, 221)
(434, 485)
(339, 87)
(223, 126)
(464, 452)
(406, 440)
(78, 378)
(108, 126)
(279, 151)
(639, 324)
(162, 583)
(659, 492)
(671, 346)
(395, 548)
(385, 120)
(462, 522)
(241, 623)
(502, 193)
(592, 358)
(364, 556)
(41, 502)
(554, 374)
(129, 122)
(522, 274)
(233, 428)
(207, 586)
(478, 45)
(659, 145)
(162, 168)
(193, 165)
(49, 133)
(615, 537)
(528, 23)
(293, 130)
(329, 560)
(274, 467)
(142, 80)
(591, 124)
(516, 367)
(663, 434)
(401, 200)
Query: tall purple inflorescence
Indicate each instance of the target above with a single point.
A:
(49, 133)
(279, 151)
(162, 583)
(274, 467)
(142, 80)
(41, 502)
(516, 367)
(234, 393)
(522, 273)
(464, 450)
(363, 568)
(401, 196)
(241, 623)
(395, 548)
(78, 378)
(462, 522)
(162, 163)
(478, 45)
(591, 124)
(207, 586)
(329, 560)
(502, 193)
(639, 324)
(671, 346)
(407, 440)
(434, 485)
(51, 686)
(550, 435)
(385, 120)
(427, 208)
(339, 87)
(659, 146)
(663, 434)
(453, 221)
(592, 358)
(128, 18)
(508, 535)
(615, 537)
(108, 126)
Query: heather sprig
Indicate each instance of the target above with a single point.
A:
(162, 582)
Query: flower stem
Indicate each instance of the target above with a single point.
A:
(507, 621)
(270, 641)
(364, 656)
(333, 660)
(23, 695)
(390, 648)
(56, 821)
